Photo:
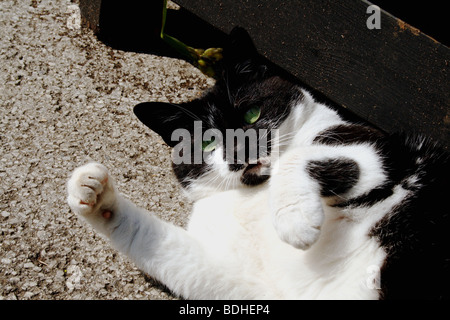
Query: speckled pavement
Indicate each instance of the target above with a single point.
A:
(67, 99)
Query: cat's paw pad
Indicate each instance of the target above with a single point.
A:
(299, 225)
(90, 190)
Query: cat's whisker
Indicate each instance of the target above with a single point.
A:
(230, 98)
(186, 111)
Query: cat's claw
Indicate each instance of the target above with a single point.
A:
(91, 192)
(299, 224)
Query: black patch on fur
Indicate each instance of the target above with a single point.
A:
(251, 179)
(369, 199)
(395, 156)
(416, 235)
(254, 174)
(335, 176)
(349, 134)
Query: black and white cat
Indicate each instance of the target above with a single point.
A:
(328, 210)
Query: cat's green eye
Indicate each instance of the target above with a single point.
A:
(252, 115)
(209, 145)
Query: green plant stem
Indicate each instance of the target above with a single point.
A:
(164, 15)
(202, 59)
(186, 51)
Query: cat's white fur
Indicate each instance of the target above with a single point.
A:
(278, 240)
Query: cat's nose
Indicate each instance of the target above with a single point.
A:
(235, 167)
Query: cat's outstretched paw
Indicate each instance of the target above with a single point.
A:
(298, 224)
(91, 194)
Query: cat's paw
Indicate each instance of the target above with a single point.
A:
(298, 224)
(91, 193)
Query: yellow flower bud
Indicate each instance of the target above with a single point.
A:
(201, 62)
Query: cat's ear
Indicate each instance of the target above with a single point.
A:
(241, 56)
(240, 46)
(165, 118)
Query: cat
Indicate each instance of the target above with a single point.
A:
(326, 209)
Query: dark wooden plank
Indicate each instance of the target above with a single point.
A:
(90, 13)
(395, 77)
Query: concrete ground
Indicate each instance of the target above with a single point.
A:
(67, 99)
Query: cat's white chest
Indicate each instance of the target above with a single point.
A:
(231, 220)
(236, 228)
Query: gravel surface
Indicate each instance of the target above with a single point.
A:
(67, 99)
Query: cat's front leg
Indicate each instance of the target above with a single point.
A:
(162, 250)
(307, 179)
(295, 202)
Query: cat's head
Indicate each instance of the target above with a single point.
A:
(225, 139)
